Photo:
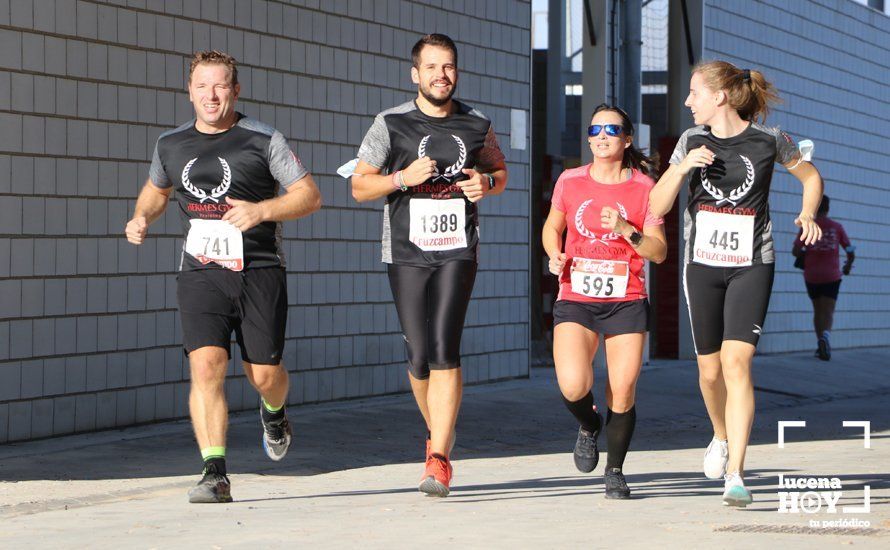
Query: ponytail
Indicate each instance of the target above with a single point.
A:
(747, 90)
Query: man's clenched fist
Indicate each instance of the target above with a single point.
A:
(136, 230)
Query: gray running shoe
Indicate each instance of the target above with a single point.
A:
(276, 437)
(213, 487)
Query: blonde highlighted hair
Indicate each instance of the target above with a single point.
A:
(747, 90)
(214, 57)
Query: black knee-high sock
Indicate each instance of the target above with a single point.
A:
(619, 430)
(583, 411)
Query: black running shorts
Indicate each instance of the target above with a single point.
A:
(727, 303)
(432, 304)
(829, 290)
(607, 318)
(253, 303)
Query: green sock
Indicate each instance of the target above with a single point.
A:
(270, 408)
(213, 452)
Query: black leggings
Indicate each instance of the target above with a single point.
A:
(727, 303)
(432, 304)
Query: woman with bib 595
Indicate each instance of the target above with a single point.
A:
(729, 258)
(611, 232)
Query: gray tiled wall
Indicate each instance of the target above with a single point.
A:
(830, 61)
(89, 335)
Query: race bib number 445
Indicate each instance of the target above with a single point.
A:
(216, 241)
(723, 240)
(438, 224)
(599, 278)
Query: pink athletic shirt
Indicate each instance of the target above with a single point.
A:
(821, 263)
(614, 269)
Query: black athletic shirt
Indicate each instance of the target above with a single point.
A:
(250, 161)
(463, 139)
(730, 198)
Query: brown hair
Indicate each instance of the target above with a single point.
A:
(747, 91)
(211, 57)
(633, 157)
(435, 39)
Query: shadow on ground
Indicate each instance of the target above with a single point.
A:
(517, 418)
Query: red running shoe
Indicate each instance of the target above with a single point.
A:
(436, 476)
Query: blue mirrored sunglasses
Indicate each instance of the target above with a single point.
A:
(613, 130)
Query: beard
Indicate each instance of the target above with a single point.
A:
(426, 92)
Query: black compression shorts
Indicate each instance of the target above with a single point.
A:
(432, 304)
(253, 303)
(829, 290)
(727, 303)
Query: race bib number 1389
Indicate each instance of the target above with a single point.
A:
(438, 224)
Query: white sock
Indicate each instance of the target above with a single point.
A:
(730, 480)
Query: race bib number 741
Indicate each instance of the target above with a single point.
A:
(216, 241)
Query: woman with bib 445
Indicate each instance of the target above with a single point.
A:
(611, 232)
(728, 160)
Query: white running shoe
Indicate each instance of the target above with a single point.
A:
(735, 493)
(716, 457)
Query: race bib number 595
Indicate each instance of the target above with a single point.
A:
(216, 241)
(599, 278)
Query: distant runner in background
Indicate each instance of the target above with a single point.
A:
(822, 273)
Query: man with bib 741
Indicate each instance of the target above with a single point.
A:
(227, 170)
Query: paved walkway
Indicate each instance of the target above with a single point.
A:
(351, 476)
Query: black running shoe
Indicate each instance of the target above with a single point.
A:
(824, 350)
(276, 437)
(213, 487)
(616, 485)
(586, 454)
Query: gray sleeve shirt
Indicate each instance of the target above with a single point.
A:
(375, 148)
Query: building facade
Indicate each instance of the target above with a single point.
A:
(830, 60)
(89, 334)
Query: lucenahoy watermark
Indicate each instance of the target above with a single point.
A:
(811, 495)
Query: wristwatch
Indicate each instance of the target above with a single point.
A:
(491, 182)
(635, 238)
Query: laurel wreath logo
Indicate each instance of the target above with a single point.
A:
(584, 232)
(452, 170)
(736, 194)
(217, 191)
(579, 224)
